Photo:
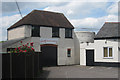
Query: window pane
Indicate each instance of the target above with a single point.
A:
(68, 33)
(35, 31)
(55, 32)
(110, 52)
(105, 52)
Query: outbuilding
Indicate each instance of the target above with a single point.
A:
(105, 50)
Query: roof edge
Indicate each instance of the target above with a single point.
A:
(37, 25)
(100, 38)
(112, 22)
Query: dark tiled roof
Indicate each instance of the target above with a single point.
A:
(44, 18)
(109, 30)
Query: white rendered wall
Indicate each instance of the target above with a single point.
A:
(98, 51)
(63, 43)
(77, 49)
(28, 31)
(85, 36)
(15, 33)
(119, 50)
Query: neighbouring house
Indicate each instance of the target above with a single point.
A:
(51, 33)
(105, 50)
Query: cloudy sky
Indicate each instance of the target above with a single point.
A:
(84, 15)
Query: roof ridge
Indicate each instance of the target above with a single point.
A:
(47, 11)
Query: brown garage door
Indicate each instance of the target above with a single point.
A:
(49, 55)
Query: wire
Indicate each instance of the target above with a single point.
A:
(18, 8)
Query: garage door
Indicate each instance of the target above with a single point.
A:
(49, 55)
(89, 57)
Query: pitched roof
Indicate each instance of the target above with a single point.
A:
(109, 30)
(44, 18)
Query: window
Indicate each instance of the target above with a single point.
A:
(108, 53)
(35, 31)
(68, 33)
(68, 52)
(55, 32)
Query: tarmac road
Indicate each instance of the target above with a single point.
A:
(78, 71)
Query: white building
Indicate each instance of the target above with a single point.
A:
(52, 34)
(105, 51)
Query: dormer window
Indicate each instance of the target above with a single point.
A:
(35, 31)
(68, 33)
(55, 32)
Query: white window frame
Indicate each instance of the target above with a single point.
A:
(108, 53)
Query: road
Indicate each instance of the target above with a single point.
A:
(78, 71)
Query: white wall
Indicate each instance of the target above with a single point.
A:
(63, 43)
(119, 50)
(85, 36)
(15, 33)
(98, 51)
(28, 31)
(77, 49)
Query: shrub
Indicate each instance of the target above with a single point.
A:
(24, 48)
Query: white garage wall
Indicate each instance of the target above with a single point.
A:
(63, 44)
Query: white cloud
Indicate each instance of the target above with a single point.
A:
(7, 21)
(93, 22)
(74, 9)
(61, 0)
(113, 9)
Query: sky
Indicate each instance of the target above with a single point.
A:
(83, 15)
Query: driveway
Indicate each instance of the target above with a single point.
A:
(79, 72)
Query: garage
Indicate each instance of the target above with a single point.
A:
(49, 55)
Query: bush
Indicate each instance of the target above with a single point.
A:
(24, 48)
